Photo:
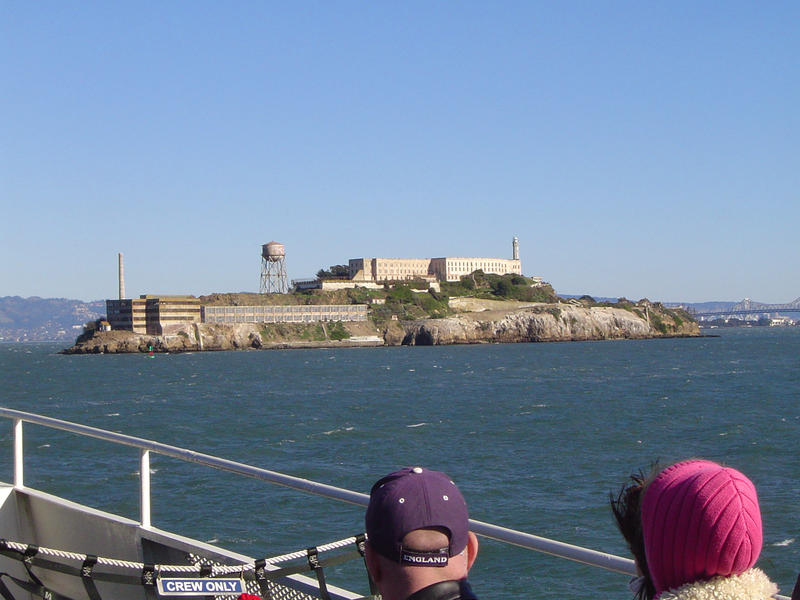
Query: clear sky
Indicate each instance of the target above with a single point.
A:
(638, 149)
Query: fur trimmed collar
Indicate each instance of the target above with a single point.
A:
(753, 584)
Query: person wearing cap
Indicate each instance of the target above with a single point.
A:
(419, 546)
(695, 532)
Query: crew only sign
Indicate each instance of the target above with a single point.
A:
(178, 586)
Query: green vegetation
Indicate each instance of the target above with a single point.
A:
(334, 272)
(434, 305)
(656, 322)
(400, 294)
(276, 332)
(500, 287)
(313, 333)
(336, 331)
(307, 332)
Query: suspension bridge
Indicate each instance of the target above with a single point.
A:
(748, 307)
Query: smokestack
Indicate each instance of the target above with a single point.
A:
(121, 279)
(515, 248)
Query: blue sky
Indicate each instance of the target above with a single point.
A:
(637, 149)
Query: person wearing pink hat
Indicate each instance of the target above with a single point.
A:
(695, 532)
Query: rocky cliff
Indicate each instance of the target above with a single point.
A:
(531, 323)
(192, 337)
(550, 323)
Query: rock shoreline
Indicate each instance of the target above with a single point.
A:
(533, 323)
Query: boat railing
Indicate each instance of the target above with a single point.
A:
(146, 447)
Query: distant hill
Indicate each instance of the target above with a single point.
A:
(705, 306)
(697, 306)
(713, 306)
(37, 319)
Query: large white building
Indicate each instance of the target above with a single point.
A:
(450, 268)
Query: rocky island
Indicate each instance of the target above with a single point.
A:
(479, 309)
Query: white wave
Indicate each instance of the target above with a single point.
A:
(411, 370)
(112, 414)
(417, 424)
(785, 542)
(337, 430)
(44, 446)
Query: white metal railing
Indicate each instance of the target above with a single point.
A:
(528, 541)
(488, 530)
(495, 532)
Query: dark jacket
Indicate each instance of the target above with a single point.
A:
(445, 590)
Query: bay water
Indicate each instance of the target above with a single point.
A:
(535, 435)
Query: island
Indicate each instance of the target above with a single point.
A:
(478, 309)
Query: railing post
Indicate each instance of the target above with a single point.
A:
(19, 480)
(144, 487)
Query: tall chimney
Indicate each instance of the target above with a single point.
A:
(121, 279)
(515, 248)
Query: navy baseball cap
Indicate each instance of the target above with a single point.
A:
(416, 498)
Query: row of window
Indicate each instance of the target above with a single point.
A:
(291, 318)
(303, 308)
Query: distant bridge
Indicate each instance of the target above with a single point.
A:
(752, 311)
(747, 307)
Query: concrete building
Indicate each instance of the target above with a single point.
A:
(373, 272)
(390, 269)
(127, 314)
(454, 268)
(333, 284)
(152, 314)
(305, 313)
(156, 315)
(450, 268)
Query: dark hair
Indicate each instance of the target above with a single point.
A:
(626, 507)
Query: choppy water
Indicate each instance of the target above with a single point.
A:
(536, 436)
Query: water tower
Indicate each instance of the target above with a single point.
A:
(273, 269)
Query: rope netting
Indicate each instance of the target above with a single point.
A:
(216, 569)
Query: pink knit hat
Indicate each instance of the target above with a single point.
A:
(699, 520)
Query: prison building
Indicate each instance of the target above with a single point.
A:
(453, 268)
(305, 313)
(152, 314)
(127, 314)
(389, 269)
(431, 269)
